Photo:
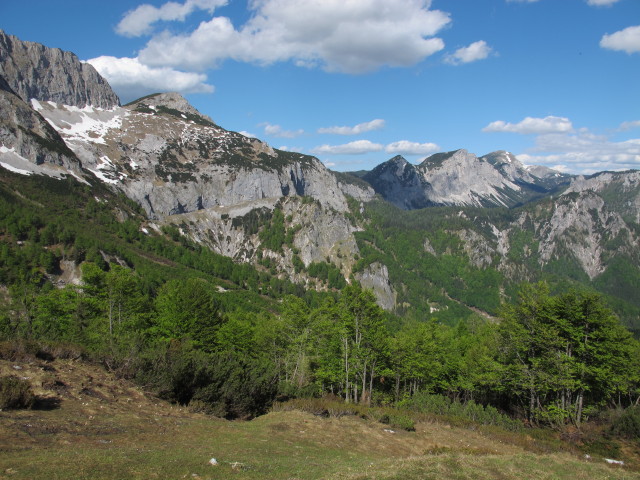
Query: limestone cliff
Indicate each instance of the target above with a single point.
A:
(461, 178)
(50, 74)
(28, 144)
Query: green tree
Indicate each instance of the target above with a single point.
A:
(188, 309)
(563, 356)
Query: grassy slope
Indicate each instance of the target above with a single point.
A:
(104, 428)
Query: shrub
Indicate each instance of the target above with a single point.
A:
(628, 424)
(399, 421)
(15, 393)
(469, 411)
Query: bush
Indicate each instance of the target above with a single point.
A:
(399, 421)
(468, 411)
(15, 393)
(628, 424)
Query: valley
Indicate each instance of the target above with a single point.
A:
(172, 291)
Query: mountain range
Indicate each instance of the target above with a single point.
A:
(453, 235)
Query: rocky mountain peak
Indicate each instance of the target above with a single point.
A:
(501, 157)
(170, 102)
(50, 74)
(438, 159)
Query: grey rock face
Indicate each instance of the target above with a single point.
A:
(321, 234)
(621, 190)
(461, 178)
(50, 74)
(173, 101)
(400, 183)
(172, 161)
(28, 144)
(581, 227)
(376, 278)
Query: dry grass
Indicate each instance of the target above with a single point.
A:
(103, 428)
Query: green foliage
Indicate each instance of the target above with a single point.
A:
(327, 273)
(563, 356)
(627, 424)
(399, 420)
(15, 393)
(272, 235)
(188, 309)
(469, 411)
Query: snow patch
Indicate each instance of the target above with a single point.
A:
(37, 106)
(11, 168)
(87, 124)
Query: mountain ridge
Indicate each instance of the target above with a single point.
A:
(461, 178)
(287, 213)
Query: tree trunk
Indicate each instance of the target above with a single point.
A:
(579, 411)
(363, 395)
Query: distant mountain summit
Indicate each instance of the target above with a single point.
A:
(462, 178)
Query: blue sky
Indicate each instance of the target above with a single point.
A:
(355, 82)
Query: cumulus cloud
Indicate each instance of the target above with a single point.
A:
(357, 147)
(140, 20)
(405, 147)
(336, 35)
(583, 153)
(531, 125)
(627, 40)
(476, 51)
(278, 131)
(131, 79)
(376, 124)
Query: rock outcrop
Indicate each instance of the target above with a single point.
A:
(375, 277)
(172, 161)
(50, 74)
(28, 144)
(461, 178)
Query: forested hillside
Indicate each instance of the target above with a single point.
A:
(229, 339)
(446, 263)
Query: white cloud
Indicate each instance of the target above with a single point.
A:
(357, 147)
(476, 51)
(140, 20)
(597, 3)
(533, 125)
(629, 125)
(131, 79)
(601, 3)
(627, 40)
(376, 124)
(352, 36)
(583, 152)
(278, 131)
(404, 147)
(247, 134)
